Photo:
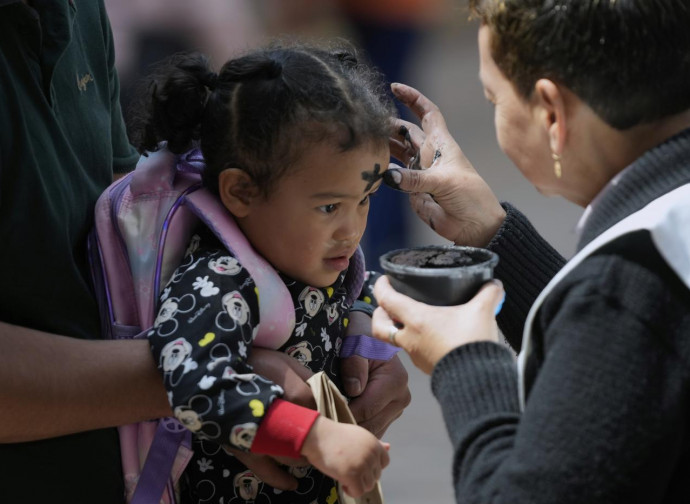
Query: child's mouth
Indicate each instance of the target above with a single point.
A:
(339, 263)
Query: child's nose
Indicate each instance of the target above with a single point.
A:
(351, 228)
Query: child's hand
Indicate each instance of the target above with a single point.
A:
(347, 453)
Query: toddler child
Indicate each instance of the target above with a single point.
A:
(295, 140)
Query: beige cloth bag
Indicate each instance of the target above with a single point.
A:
(332, 404)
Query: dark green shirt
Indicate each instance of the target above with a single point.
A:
(61, 138)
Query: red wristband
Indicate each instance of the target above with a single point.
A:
(283, 429)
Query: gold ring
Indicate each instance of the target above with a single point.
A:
(391, 334)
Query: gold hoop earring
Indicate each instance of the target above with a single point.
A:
(557, 168)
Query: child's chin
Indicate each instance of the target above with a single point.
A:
(320, 281)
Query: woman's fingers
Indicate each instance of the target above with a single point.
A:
(427, 333)
(408, 144)
(408, 133)
(390, 318)
(394, 305)
(426, 110)
(381, 324)
(400, 151)
(426, 207)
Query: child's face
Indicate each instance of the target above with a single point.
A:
(312, 222)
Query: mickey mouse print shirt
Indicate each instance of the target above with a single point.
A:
(201, 340)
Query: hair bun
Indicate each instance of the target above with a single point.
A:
(346, 58)
(209, 79)
(249, 68)
(274, 69)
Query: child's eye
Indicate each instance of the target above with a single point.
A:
(329, 208)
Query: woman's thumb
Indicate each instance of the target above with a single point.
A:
(492, 294)
(411, 181)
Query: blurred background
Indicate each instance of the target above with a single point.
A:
(429, 44)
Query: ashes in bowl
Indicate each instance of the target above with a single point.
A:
(441, 275)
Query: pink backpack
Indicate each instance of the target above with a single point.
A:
(143, 225)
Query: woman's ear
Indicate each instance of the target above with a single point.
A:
(236, 191)
(551, 100)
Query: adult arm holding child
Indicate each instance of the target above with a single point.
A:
(62, 139)
(95, 372)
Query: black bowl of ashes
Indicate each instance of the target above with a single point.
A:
(442, 275)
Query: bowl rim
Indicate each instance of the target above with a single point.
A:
(388, 266)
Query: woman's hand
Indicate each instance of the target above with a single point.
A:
(426, 332)
(446, 191)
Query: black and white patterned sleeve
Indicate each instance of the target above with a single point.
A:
(201, 340)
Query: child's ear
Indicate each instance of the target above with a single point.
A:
(236, 191)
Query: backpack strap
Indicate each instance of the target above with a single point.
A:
(362, 344)
(277, 312)
(354, 278)
(170, 434)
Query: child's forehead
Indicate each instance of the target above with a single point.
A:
(372, 177)
(327, 170)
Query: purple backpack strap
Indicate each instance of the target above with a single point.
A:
(277, 311)
(155, 475)
(361, 344)
(367, 347)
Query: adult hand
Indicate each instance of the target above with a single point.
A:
(378, 389)
(385, 392)
(446, 191)
(426, 332)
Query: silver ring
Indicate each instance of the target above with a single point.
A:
(391, 334)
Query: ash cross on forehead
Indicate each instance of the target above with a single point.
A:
(372, 177)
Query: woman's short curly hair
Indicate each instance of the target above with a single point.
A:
(629, 60)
